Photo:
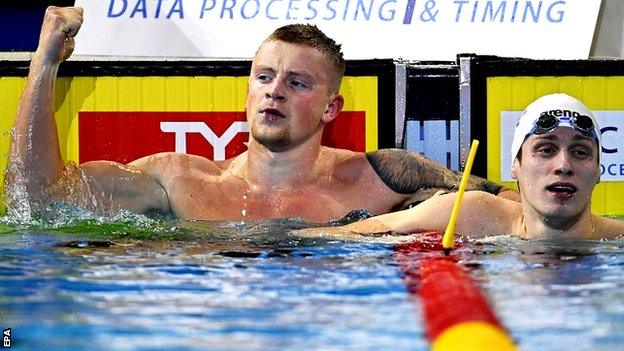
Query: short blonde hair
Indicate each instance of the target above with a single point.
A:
(309, 35)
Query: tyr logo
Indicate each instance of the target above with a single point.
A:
(181, 129)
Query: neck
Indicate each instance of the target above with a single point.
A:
(288, 169)
(538, 226)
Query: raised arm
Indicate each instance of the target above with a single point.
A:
(35, 153)
(36, 172)
(411, 173)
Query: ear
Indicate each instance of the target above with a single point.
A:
(597, 175)
(514, 169)
(333, 108)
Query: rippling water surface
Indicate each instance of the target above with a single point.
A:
(152, 285)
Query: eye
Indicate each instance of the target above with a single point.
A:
(581, 152)
(545, 150)
(263, 77)
(298, 84)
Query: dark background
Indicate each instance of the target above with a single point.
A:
(20, 22)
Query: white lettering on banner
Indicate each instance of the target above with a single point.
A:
(307, 10)
(467, 11)
(180, 129)
(118, 8)
(233, 28)
(612, 135)
(510, 11)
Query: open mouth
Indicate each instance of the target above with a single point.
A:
(562, 190)
(271, 114)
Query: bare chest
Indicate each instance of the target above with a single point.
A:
(234, 200)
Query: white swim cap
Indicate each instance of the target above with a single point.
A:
(555, 110)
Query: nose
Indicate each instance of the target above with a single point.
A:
(275, 91)
(563, 166)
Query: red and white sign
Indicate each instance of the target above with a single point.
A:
(126, 136)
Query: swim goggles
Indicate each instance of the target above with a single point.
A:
(547, 123)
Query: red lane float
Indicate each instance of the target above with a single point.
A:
(456, 314)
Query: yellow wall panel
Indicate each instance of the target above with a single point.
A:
(190, 94)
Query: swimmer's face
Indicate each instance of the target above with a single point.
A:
(557, 173)
(289, 98)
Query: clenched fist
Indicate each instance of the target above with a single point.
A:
(60, 26)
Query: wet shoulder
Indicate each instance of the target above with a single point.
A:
(491, 215)
(349, 166)
(609, 228)
(171, 163)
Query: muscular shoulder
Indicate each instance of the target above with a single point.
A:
(406, 172)
(487, 214)
(401, 171)
(348, 166)
(609, 228)
(171, 164)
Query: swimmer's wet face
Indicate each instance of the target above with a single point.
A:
(556, 153)
(557, 172)
(290, 95)
(293, 86)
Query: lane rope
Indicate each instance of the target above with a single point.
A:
(456, 314)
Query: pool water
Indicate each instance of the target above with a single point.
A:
(255, 286)
(555, 296)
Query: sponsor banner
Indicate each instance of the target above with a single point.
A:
(409, 29)
(127, 117)
(126, 136)
(123, 118)
(612, 132)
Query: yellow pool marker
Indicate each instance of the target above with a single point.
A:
(449, 234)
(452, 288)
(473, 336)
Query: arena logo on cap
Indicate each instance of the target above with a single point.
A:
(562, 113)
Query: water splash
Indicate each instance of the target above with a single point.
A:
(17, 198)
(244, 210)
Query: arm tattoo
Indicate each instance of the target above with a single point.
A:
(408, 172)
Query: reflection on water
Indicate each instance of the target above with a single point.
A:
(556, 295)
(217, 286)
(146, 284)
